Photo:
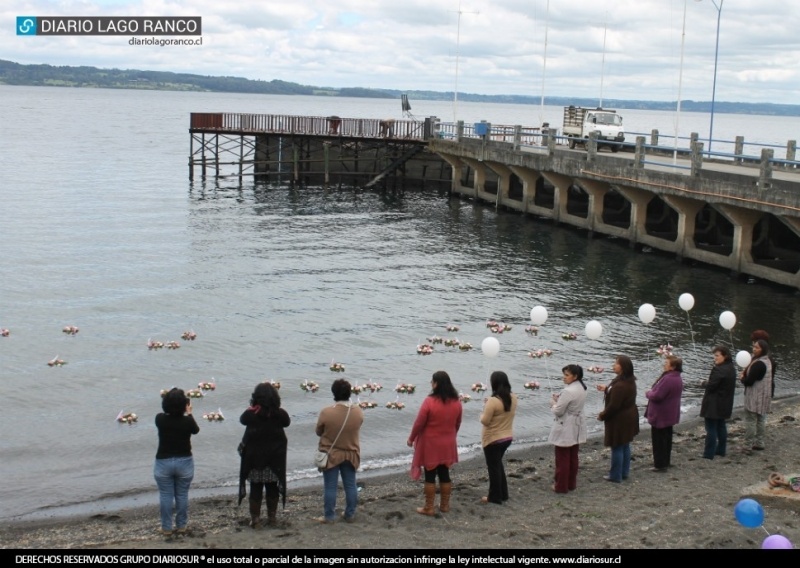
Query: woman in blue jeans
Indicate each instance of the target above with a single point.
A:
(620, 417)
(174, 467)
(338, 428)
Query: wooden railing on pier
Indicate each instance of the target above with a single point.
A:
(226, 122)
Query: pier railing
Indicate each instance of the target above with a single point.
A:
(224, 122)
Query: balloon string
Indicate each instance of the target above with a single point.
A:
(546, 367)
(691, 332)
(765, 530)
(730, 334)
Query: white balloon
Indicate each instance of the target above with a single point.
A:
(647, 313)
(743, 358)
(538, 315)
(593, 329)
(727, 320)
(490, 347)
(686, 302)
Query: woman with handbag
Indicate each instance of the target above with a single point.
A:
(338, 428)
(264, 453)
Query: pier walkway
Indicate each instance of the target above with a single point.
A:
(734, 210)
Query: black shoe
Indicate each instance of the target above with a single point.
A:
(608, 478)
(658, 469)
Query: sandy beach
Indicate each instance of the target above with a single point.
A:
(689, 506)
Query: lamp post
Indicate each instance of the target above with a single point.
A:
(714, 87)
(680, 83)
(544, 64)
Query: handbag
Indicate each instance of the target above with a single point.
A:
(320, 456)
(321, 459)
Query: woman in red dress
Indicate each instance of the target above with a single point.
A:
(433, 438)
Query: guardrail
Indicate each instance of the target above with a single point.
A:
(544, 139)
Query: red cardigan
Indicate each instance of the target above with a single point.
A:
(434, 434)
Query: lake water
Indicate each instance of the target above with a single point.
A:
(101, 229)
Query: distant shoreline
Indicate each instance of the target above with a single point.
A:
(43, 75)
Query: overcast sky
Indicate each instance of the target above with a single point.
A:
(413, 45)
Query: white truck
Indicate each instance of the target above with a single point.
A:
(580, 121)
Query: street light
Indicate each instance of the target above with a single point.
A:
(680, 84)
(714, 88)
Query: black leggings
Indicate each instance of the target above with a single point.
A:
(256, 490)
(441, 470)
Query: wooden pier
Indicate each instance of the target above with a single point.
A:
(313, 149)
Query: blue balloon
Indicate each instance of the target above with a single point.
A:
(749, 513)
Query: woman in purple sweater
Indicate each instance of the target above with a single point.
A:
(664, 410)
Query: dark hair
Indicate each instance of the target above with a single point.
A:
(722, 350)
(501, 388)
(577, 372)
(174, 402)
(341, 390)
(764, 347)
(759, 334)
(443, 387)
(267, 397)
(676, 363)
(627, 367)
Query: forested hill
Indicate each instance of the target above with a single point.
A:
(49, 75)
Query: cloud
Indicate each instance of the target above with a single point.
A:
(632, 47)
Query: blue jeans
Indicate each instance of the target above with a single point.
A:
(331, 478)
(173, 477)
(620, 462)
(716, 438)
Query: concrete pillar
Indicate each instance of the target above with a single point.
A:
(654, 137)
(687, 214)
(591, 147)
(744, 222)
(458, 172)
(597, 191)
(638, 157)
(479, 182)
(738, 148)
(529, 179)
(639, 200)
(517, 136)
(561, 184)
(503, 180)
(765, 176)
(791, 151)
(697, 157)
(551, 141)
(460, 130)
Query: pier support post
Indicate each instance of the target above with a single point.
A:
(654, 137)
(517, 136)
(551, 141)
(697, 157)
(638, 157)
(791, 152)
(744, 222)
(591, 147)
(765, 176)
(738, 148)
(460, 130)
(191, 156)
(326, 152)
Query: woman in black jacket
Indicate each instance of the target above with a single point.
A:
(717, 404)
(264, 453)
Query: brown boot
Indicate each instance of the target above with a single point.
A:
(430, 497)
(444, 496)
(272, 510)
(255, 514)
